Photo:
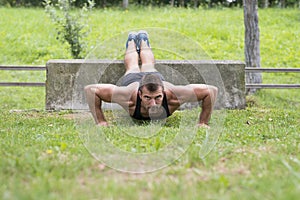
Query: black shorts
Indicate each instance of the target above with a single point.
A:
(136, 77)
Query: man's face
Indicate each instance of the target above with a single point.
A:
(151, 101)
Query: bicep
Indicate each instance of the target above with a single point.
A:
(191, 92)
(104, 91)
(201, 90)
(114, 94)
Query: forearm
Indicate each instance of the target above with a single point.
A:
(95, 103)
(196, 93)
(207, 107)
(98, 113)
(208, 102)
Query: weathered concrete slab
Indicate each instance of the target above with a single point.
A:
(66, 79)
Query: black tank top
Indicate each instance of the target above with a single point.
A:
(137, 112)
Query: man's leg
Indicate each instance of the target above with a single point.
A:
(146, 54)
(131, 59)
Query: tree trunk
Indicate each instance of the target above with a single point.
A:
(282, 3)
(182, 3)
(172, 3)
(196, 3)
(266, 4)
(104, 4)
(252, 51)
(125, 3)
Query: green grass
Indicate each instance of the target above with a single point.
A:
(43, 154)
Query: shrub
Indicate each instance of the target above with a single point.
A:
(70, 25)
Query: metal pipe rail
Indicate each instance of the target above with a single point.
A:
(255, 69)
(23, 68)
(247, 70)
(271, 70)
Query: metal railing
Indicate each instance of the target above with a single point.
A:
(247, 70)
(23, 68)
(271, 70)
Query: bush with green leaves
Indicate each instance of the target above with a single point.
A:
(70, 25)
(176, 3)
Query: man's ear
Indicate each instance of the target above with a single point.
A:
(140, 94)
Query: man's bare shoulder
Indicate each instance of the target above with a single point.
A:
(174, 88)
(168, 84)
(180, 93)
(125, 94)
(127, 89)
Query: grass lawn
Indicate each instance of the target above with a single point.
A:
(257, 151)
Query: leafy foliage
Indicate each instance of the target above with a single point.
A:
(175, 3)
(70, 26)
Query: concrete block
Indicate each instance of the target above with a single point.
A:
(66, 79)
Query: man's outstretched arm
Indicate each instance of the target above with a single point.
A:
(208, 95)
(95, 94)
(198, 92)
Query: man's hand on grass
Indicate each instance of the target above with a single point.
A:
(104, 123)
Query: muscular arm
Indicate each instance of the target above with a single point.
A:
(197, 92)
(97, 93)
(208, 95)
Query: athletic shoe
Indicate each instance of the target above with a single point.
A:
(132, 36)
(142, 35)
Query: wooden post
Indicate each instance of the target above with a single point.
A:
(252, 49)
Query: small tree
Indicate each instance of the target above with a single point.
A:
(70, 26)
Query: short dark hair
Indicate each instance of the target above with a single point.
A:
(152, 82)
